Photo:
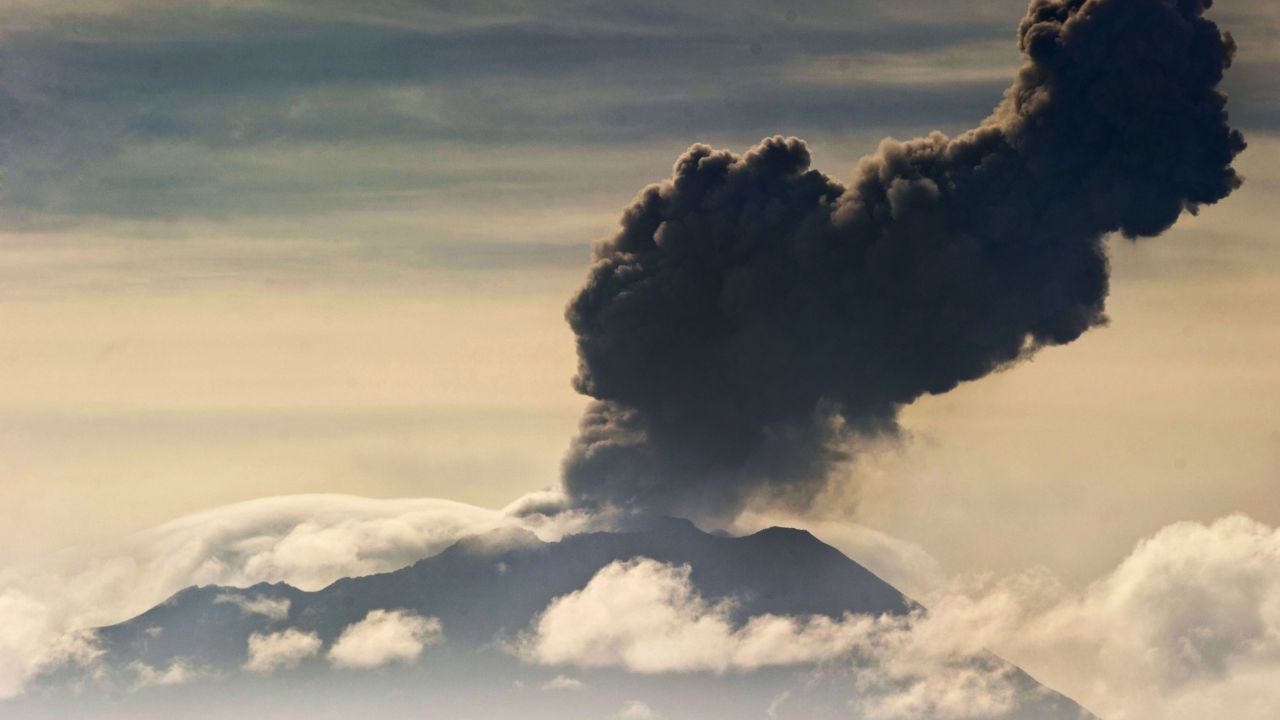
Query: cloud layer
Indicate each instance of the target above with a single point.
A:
(752, 316)
(1186, 627)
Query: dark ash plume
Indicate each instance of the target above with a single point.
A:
(753, 316)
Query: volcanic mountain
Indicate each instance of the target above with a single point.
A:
(475, 610)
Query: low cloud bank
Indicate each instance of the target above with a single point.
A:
(647, 617)
(1186, 627)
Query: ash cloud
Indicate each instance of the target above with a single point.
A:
(753, 319)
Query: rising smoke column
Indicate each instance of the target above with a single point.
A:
(753, 318)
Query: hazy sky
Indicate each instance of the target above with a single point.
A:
(269, 247)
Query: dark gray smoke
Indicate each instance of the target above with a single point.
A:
(753, 317)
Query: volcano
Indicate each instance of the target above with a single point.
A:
(187, 657)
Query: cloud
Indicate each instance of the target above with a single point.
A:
(647, 617)
(268, 607)
(310, 541)
(281, 650)
(198, 95)
(753, 321)
(384, 637)
(33, 640)
(178, 672)
(956, 692)
(985, 61)
(1187, 626)
(636, 710)
(305, 540)
(564, 682)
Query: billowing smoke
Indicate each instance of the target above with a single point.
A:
(753, 318)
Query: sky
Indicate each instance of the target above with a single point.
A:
(265, 247)
(260, 257)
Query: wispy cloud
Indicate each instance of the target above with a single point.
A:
(202, 111)
(178, 672)
(637, 710)
(563, 682)
(268, 607)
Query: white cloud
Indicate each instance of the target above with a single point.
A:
(636, 710)
(268, 607)
(1186, 627)
(310, 541)
(563, 682)
(281, 650)
(383, 637)
(32, 640)
(953, 689)
(305, 540)
(647, 617)
(179, 672)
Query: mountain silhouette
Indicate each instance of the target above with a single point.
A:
(485, 591)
